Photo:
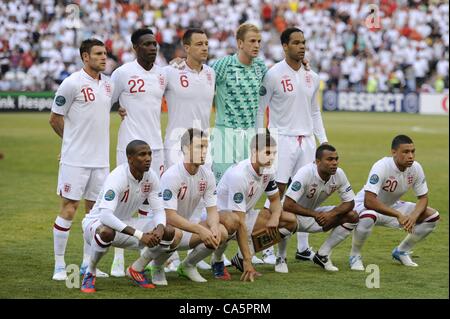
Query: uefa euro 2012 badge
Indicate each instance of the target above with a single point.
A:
(374, 179)
(296, 186)
(167, 194)
(60, 100)
(238, 198)
(109, 195)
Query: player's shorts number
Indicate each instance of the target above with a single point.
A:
(184, 81)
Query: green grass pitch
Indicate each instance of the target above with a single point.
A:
(28, 206)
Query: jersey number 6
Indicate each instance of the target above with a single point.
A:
(183, 81)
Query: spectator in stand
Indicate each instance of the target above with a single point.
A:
(39, 40)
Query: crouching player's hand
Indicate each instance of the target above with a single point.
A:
(150, 239)
(249, 271)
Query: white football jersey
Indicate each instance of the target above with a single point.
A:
(85, 104)
(241, 187)
(389, 183)
(309, 190)
(124, 195)
(182, 191)
(292, 99)
(140, 92)
(189, 95)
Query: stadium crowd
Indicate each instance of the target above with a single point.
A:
(406, 49)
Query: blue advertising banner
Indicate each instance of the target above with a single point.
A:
(371, 102)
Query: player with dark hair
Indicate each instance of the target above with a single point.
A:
(238, 192)
(140, 86)
(290, 91)
(183, 185)
(379, 204)
(110, 222)
(80, 116)
(310, 187)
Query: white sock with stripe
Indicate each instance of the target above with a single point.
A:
(360, 234)
(420, 232)
(302, 241)
(98, 249)
(199, 253)
(282, 245)
(61, 230)
(337, 235)
(148, 254)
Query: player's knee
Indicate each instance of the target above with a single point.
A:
(69, 207)
(366, 223)
(176, 238)
(106, 234)
(223, 233)
(432, 215)
(289, 221)
(231, 222)
(169, 232)
(353, 217)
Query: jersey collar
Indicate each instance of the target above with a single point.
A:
(395, 167)
(316, 173)
(131, 177)
(187, 68)
(240, 64)
(141, 68)
(252, 170)
(291, 69)
(90, 78)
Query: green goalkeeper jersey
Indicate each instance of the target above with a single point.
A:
(237, 91)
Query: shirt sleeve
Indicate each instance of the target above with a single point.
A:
(265, 96)
(272, 187)
(115, 79)
(345, 189)
(210, 195)
(156, 202)
(64, 97)
(170, 189)
(318, 128)
(376, 178)
(110, 194)
(298, 186)
(237, 194)
(219, 67)
(420, 186)
(108, 218)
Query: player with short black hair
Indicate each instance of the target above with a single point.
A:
(80, 116)
(290, 91)
(238, 192)
(311, 186)
(110, 222)
(378, 203)
(183, 185)
(140, 86)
